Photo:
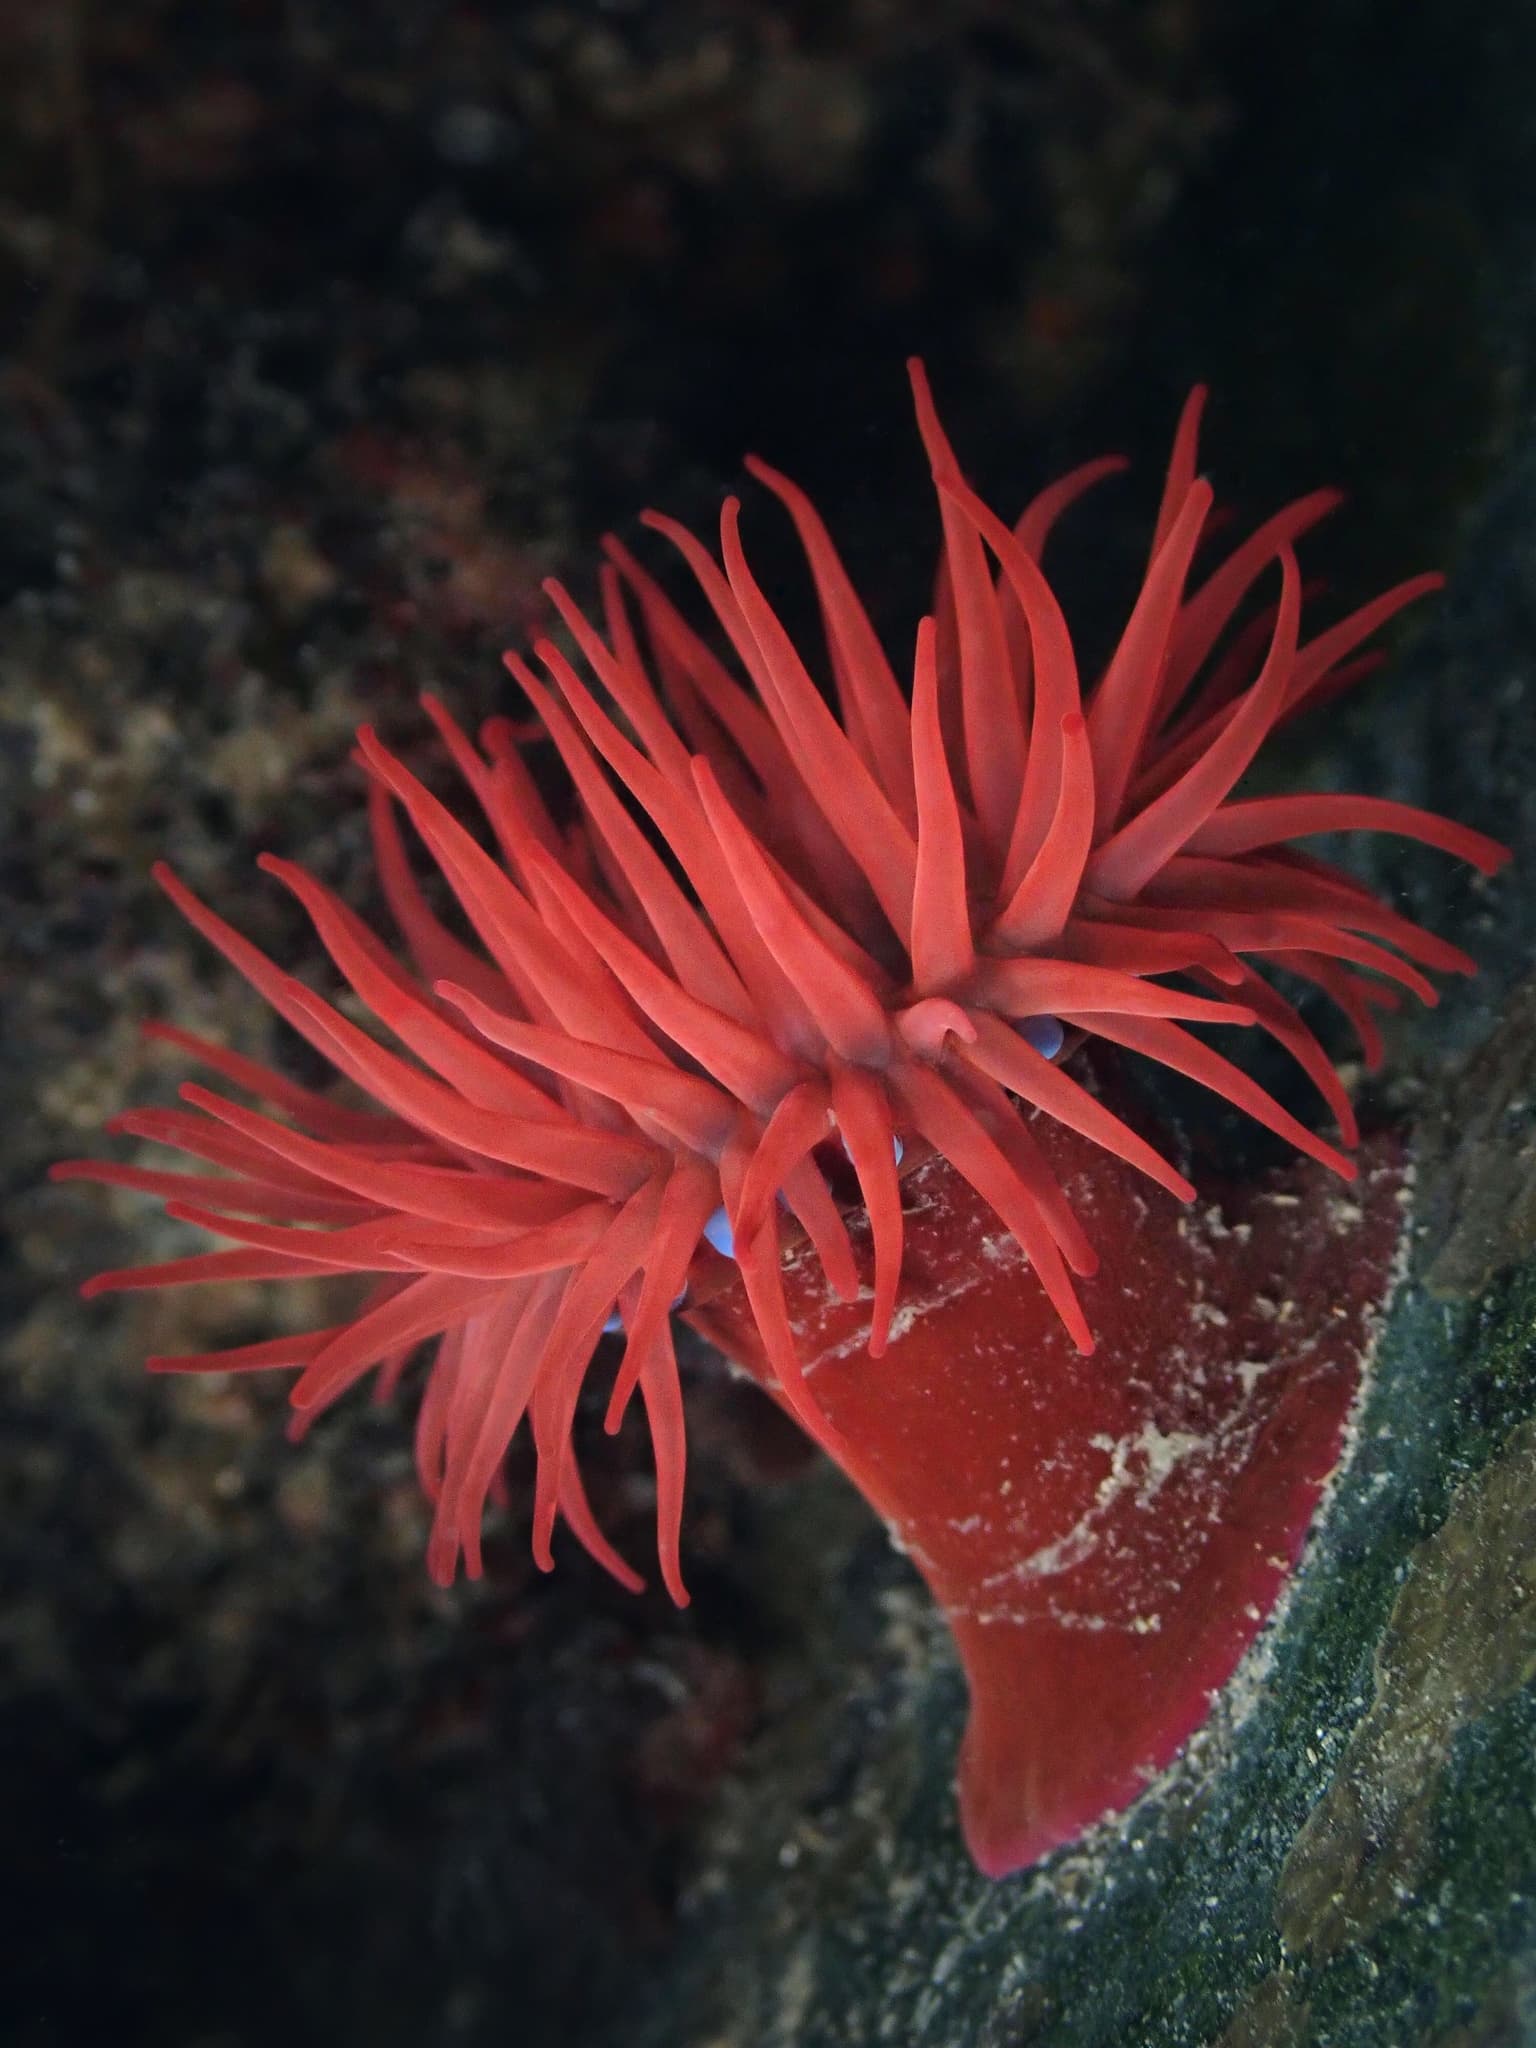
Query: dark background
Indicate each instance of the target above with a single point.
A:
(327, 330)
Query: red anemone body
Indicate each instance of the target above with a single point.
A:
(806, 916)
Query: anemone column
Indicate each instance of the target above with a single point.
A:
(1105, 1535)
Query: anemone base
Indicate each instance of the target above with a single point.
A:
(1105, 1535)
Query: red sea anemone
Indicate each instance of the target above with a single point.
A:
(810, 939)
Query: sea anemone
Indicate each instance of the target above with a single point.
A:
(807, 931)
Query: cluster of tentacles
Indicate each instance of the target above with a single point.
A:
(803, 916)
